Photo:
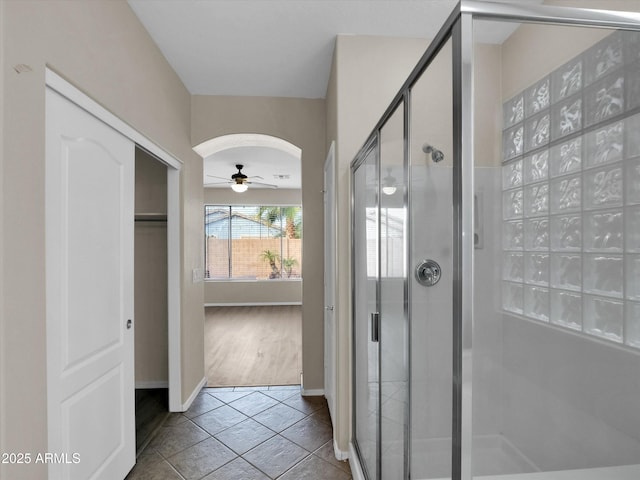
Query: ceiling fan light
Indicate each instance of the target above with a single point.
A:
(239, 187)
(388, 190)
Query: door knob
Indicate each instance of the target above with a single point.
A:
(428, 273)
(129, 324)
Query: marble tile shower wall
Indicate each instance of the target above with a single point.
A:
(571, 194)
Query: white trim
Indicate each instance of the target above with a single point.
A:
(252, 280)
(253, 304)
(174, 300)
(235, 140)
(354, 463)
(75, 95)
(194, 394)
(3, 363)
(330, 269)
(66, 89)
(317, 392)
(152, 384)
(341, 455)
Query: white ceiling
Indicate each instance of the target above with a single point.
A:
(280, 48)
(266, 163)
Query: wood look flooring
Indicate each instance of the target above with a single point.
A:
(249, 346)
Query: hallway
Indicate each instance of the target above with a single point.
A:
(253, 345)
(245, 433)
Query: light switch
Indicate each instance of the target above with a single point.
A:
(197, 275)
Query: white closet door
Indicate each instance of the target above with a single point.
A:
(89, 280)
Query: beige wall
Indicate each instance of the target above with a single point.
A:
(541, 58)
(487, 121)
(366, 74)
(254, 292)
(150, 279)
(544, 56)
(97, 46)
(151, 184)
(494, 85)
(151, 316)
(302, 123)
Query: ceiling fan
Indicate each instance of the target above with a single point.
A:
(239, 181)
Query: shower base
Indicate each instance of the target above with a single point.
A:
(496, 459)
(493, 455)
(626, 472)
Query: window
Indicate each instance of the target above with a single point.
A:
(391, 238)
(253, 242)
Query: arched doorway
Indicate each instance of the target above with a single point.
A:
(253, 260)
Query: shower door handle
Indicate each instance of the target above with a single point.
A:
(428, 273)
(375, 327)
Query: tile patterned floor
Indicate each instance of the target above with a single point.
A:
(245, 433)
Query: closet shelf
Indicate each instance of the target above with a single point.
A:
(151, 217)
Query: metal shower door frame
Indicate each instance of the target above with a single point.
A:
(459, 28)
(469, 11)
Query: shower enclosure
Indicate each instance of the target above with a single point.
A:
(496, 254)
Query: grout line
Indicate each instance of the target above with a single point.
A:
(306, 416)
(294, 465)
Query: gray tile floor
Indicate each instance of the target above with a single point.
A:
(245, 433)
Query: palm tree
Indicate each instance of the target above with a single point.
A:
(290, 215)
(272, 258)
(288, 264)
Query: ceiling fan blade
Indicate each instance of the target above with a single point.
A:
(256, 176)
(221, 178)
(218, 183)
(263, 184)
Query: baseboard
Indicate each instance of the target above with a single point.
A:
(340, 454)
(254, 304)
(318, 392)
(354, 463)
(152, 384)
(194, 394)
(309, 392)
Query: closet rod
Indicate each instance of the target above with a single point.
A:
(151, 217)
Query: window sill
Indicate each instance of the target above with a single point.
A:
(252, 280)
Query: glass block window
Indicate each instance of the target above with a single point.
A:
(571, 194)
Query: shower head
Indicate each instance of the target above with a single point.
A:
(436, 155)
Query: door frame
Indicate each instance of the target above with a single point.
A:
(330, 249)
(174, 167)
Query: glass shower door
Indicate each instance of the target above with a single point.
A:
(431, 221)
(380, 304)
(366, 374)
(394, 335)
